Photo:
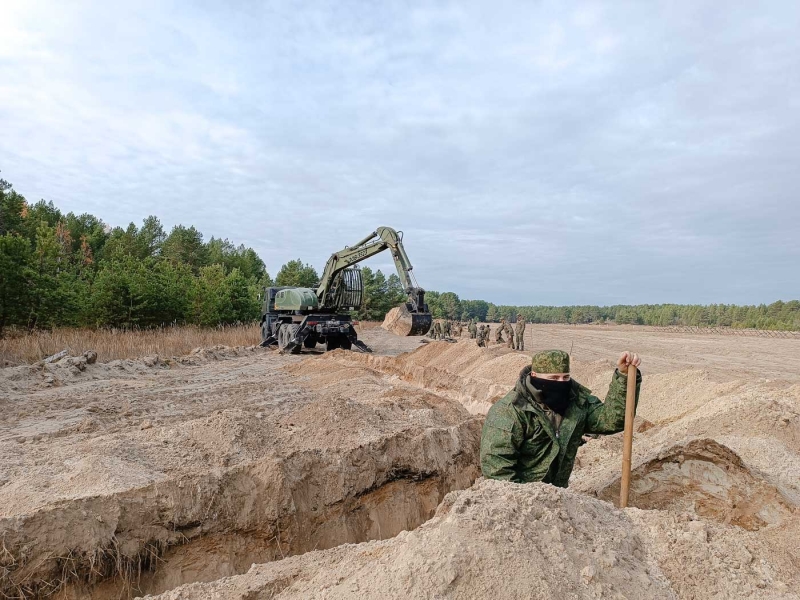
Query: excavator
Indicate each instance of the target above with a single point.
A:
(294, 318)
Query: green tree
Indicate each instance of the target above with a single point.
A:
(492, 315)
(223, 252)
(150, 238)
(450, 305)
(15, 280)
(12, 209)
(185, 246)
(294, 273)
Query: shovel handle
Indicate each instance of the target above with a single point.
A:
(627, 438)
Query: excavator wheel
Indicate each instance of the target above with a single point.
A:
(310, 342)
(292, 332)
(282, 341)
(331, 343)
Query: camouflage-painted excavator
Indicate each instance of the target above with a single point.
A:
(296, 318)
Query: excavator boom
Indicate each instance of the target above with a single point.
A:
(381, 239)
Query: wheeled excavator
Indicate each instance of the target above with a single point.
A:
(294, 318)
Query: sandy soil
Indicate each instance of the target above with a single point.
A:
(724, 357)
(139, 476)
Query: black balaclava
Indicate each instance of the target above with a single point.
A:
(555, 394)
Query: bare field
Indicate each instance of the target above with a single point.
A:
(277, 476)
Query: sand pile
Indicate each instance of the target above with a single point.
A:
(473, 376)
(499, 540)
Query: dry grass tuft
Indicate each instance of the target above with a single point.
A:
(111, 344)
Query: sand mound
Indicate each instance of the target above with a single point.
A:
(502, 540)
(495, 540)
(475, 377)
(707, 479)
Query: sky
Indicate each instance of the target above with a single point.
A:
(531, 152)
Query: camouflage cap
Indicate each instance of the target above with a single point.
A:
(550, 361)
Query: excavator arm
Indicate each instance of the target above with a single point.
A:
(383, 238)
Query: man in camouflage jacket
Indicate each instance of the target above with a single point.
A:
(529, 437)
(520, 332)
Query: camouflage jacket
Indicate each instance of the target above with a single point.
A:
(523, 442)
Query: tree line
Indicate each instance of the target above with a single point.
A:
(73, 270)
(776, 316)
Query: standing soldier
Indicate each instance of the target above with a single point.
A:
(498, 335)
(473, 330)
(446, 328)
(510, 333)
(437, 330)
(520, 332)
(482, 336)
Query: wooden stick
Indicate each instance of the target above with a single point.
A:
(627, 438)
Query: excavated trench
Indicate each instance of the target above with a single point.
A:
(157, 537)
(356, 459)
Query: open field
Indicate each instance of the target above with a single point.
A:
(278, 476)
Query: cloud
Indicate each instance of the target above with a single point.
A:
(531, 152)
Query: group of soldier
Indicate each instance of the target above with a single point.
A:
(445, 328)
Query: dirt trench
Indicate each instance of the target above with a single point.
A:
(154, 538)
(355, 459)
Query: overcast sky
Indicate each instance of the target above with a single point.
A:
(532, 153)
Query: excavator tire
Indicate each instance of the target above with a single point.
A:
(292, 332)
(282, 339)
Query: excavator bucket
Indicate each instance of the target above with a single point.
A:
(401, 321)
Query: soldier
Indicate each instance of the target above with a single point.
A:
(482, 335)
(509, 331)
(437, 330)
(446, 328)
(520, 332)
(534, 432)
(498, 336)
(473, 330)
